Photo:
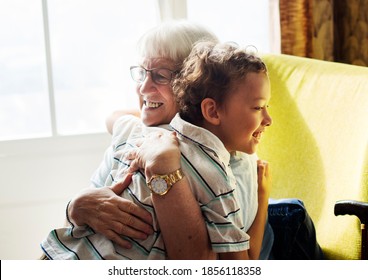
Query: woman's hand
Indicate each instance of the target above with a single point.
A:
(158, 153)
(107, 213)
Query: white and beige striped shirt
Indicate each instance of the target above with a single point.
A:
(204, 161)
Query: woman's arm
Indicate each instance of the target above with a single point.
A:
(178, 213)
(242, 255)
(110, 120)
(182, 225)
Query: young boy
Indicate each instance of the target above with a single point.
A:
(223, 94)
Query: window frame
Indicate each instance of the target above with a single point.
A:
(50, 82)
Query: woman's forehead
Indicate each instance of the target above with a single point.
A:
(156, 62)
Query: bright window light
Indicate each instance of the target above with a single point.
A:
(245, 22)
(24, 105)
(64, 65)
(92, 46)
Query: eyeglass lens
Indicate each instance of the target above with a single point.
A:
(159, 75)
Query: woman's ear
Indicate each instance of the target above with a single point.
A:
(209, 111)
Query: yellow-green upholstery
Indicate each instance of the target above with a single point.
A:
(318, 143)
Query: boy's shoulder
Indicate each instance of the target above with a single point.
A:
(200, 139)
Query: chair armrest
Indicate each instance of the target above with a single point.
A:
(352, 207)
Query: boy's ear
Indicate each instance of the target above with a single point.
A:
(209, 111)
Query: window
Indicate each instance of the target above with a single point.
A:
(90, 45)
(245, 22)
(24, 103)
(64, 64)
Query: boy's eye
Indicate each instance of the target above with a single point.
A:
(260, 108)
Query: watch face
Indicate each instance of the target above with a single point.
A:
(159, 185)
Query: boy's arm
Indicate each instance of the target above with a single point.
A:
(256, 231)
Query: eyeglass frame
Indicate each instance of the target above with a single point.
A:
(152, 76)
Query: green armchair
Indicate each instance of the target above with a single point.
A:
(318, 147)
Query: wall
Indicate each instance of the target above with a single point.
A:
(37, 179)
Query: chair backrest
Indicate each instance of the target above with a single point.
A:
(318, 143)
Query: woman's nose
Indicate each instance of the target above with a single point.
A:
(147, 86)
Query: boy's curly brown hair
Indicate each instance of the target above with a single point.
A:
(211, 71)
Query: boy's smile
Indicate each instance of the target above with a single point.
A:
(258, 134)
(244, 116)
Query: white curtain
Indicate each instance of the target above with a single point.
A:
(274, 25)
(172, 9)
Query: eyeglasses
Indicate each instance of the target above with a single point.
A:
(161, 76)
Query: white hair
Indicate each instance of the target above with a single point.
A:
(173, 40)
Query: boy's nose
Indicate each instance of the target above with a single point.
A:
(267, 119)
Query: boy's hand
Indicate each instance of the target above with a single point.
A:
(264, 179)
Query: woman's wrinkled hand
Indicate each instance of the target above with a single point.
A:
(158, 153)
(107, 213)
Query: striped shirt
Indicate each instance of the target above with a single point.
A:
(204, 161)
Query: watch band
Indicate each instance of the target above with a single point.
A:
(174, 177)
(161, 184)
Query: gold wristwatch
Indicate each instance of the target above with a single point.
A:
(161, 184)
